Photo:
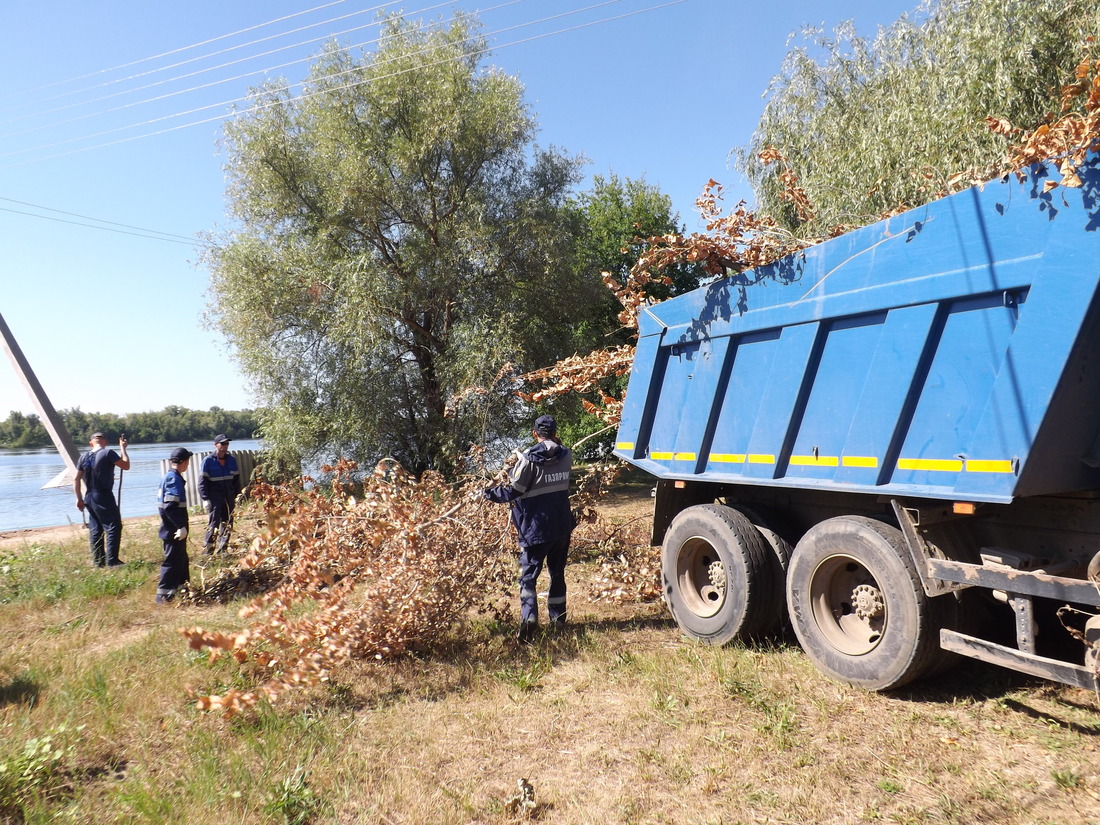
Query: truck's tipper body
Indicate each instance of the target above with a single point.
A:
(932, 382)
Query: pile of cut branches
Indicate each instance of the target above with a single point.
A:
(370, 570)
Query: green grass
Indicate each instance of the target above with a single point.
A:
(41, 575)
(293, 801)
(619, 720)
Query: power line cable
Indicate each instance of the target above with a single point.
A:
(219, 82)
(140, 234)
(204, 57)
(264, 70)
(177, 50)
(257, 107)
(171, 237)
(89, 218)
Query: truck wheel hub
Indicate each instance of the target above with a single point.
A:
(717, 572)
(868, 603)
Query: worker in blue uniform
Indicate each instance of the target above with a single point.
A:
(172, 506)
(96, 471)
(538, 492)
(219, 486)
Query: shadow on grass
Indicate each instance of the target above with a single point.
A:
(456, 663)
(231, 583)
(1047, 716)
(21, 690)
(977, 682)
(654, 622)
(965, 680)
(968, 680)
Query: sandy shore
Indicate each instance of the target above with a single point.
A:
(55, 535)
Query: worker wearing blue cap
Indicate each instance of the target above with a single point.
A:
(538, 491)
(219, 486)
(96, 471)
(172, 506)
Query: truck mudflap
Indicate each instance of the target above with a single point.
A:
(1030, 663)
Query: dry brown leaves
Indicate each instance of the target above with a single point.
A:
(791, 191)
(734, 241)
(391, 569)
(372, 575)
(585, 375)
(630, 568)
(1068, 138)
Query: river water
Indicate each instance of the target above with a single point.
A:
(24, 504)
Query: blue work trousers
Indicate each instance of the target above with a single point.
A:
(531, 559)
(219, 526)
(175, 570)
(104, 527)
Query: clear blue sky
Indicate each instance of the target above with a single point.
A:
(96, 93)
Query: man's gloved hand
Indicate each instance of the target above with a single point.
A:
(206, 505)
(180, 534)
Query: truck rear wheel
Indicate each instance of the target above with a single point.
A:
(780, 560)
(718, 575)
(857, 604)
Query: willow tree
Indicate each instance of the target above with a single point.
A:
(870, 125)
(397, 238)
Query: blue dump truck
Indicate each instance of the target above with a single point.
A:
(890, 440)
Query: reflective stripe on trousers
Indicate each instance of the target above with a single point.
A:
(175, 569)
(531, 559)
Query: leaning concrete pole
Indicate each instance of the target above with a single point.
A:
(48, 415)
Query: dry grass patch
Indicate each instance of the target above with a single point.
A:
(618, 720)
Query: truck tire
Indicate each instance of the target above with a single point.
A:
(780, 560)
(857, 605)
(718, 575)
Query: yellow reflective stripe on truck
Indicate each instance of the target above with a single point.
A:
(957, 465)
(940, 465)
(815, 461)
(943, 465)
(859, 461)
(728, 458)
(978, 466)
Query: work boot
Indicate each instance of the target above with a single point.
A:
(527, 632)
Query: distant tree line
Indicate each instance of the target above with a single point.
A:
(172, 424)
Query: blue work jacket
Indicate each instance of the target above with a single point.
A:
(539, 493)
